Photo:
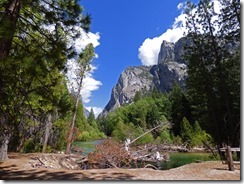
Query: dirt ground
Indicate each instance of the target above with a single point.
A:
(19, 168)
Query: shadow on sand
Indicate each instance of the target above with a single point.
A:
(12, 172)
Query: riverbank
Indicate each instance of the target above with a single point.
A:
(19, 168)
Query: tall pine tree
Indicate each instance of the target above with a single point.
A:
(214, 62)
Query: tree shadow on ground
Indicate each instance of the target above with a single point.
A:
(12, 172)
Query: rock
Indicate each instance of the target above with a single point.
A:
(166, 74)
(131, 80)
(170, 68)
(166, 53)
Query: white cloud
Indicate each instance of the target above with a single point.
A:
(85, 39)
(96, 110)
(217, 6)
(89, 84)
(148, 51)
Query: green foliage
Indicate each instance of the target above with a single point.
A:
(186, 130)
(194, 135)
(121, 131)
(165, 136)
(177, 140)
(34, 50)
(213, 83)
(30, 146)
(132, 120)
(146, 139)
(87, 129)
(180, 108)
(83, 136)
(138, 96)
(61, 129)
(91, 118)
(200, 136)
(146, 113)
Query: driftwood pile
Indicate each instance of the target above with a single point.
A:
(155, 152)
(58, 161)
(149, 153)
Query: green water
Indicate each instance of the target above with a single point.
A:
(179, 159)
(88, 146)
(176, 159)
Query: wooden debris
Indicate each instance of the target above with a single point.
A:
(58, 161)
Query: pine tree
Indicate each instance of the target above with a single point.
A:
(186, 130)
(180, 108)
(212, 68)
(91, 117)
(34, 49)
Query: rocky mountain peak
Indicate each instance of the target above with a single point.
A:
(166, 53)
(170, 68)
(131, 80)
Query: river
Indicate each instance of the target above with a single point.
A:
(176, 159)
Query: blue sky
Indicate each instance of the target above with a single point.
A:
(127, 33)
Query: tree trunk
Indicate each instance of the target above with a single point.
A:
(85, 57)
(47, 132)
(4, 147)
(70, 137)
(8, 25)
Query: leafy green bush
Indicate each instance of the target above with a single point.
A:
(83, 136)
(148, 138)
(165, 136)
(195, 135)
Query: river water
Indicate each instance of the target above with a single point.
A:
(176, 159)
(179, 159)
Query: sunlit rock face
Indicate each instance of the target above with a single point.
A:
(170, 68)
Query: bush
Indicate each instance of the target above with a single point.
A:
(148, 138)
(165, 136)
(83, 136)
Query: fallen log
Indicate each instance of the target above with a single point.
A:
(152, 166)
(162, 124)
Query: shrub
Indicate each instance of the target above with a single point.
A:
(165, 136)
(83, 136)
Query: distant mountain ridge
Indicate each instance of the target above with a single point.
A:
(170, 68)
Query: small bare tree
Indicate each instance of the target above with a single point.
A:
(84, 66)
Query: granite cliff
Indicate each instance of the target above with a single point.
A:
(169, 69)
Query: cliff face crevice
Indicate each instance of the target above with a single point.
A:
(170, 68)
